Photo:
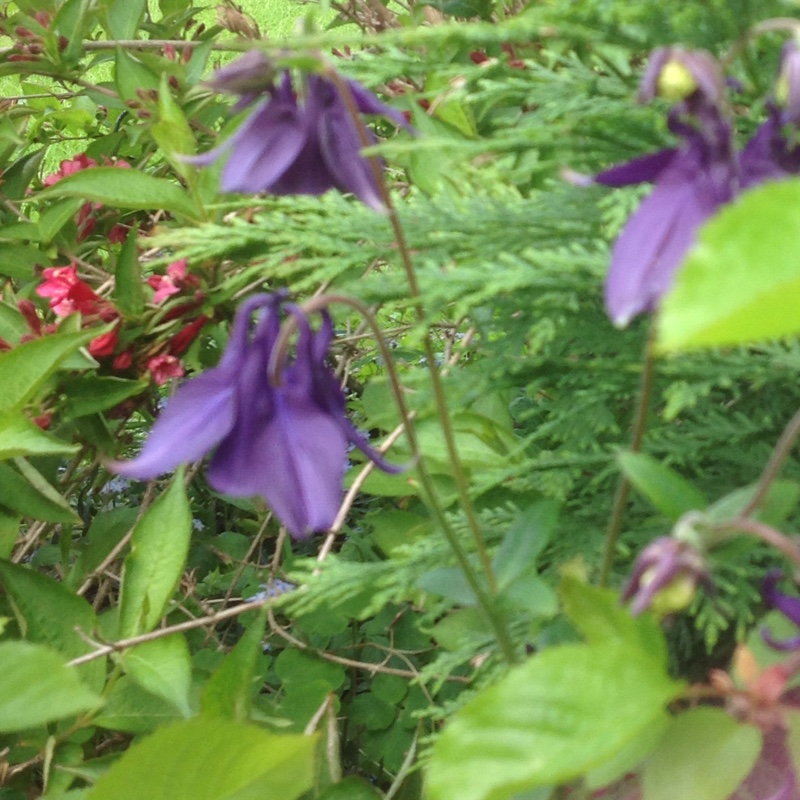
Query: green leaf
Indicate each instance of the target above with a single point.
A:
(741, 283)
(705, 754)
(172, 132)
(669, 492)
(31, 495)
(159, 546)
(211, 759)
(350, 788)
(9, 531)
(124, 18)
(25, 368)
(20, 260)
(38, 688)
(90, 394)
(105, 532)
(163, 667)
(599, 616)
(132, 709)
(780, 501)
(448, 582)
(128, 283)
(125, 188)
(229, 691)
(48, 613)
(527, 537)
(132, 76)
(21, 437)
(54, 218)
(567, 710)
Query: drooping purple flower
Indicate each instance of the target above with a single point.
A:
(694, 180)
(665, 576)
(286, 443)
(293, 146)
(788, 606)
(691, 183)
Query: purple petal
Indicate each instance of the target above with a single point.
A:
(658, 235)
(197, 417)
(638, 170)
(341, 151)
(368, 103)
(265, 147)
(295, 461)
(251, 73)
(788, 606)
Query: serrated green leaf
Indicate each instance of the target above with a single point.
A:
(25, 368)
(669, 492)
(229, 691)
(38, 688)
(159, 546)
(741, 283)
(211, 759)
(705, 754)
(163, 667)
(125, 188)
(598, 614)
(21, 437)
(564, 712)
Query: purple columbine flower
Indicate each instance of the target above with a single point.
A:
(665, 576)
(286, 443)
(788, 606)
(691, 183)
(293, 146)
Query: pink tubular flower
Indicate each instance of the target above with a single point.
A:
(104, 345)
(164, 367)
(171, 283)
(69, 167)
(186, 335)
(67, 292)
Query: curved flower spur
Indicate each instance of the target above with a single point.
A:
(293, 145)
(284, 441)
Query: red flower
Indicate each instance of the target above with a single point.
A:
(186, 335)
(123, 361)
(69, 167)
(104, 345)
(67, 292)
(171, 283)
(164, 367)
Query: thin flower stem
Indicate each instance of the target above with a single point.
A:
(774, 465)
(430, 355)
(277, 358)
(484, 599)
(624, 485)
(762, 531)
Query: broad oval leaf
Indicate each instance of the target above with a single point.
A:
(211, 759)
(564, 712)
(38, 688)
(741, 283)
(705, 754)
